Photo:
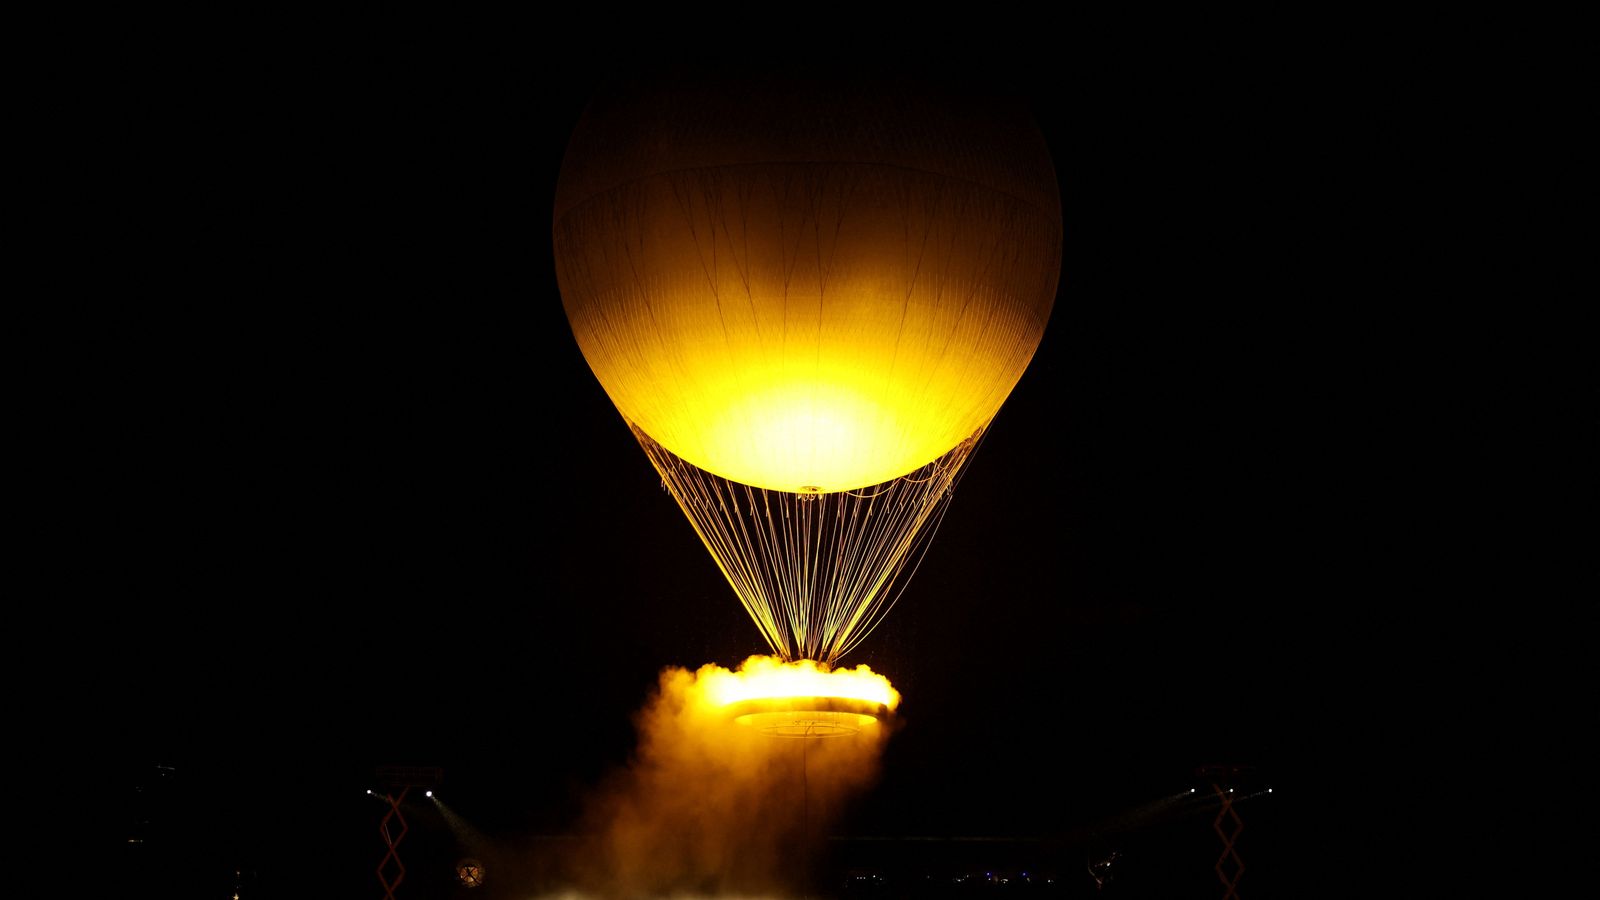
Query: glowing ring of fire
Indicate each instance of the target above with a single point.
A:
(805, 717)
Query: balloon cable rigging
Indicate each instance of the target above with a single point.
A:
(816, 572)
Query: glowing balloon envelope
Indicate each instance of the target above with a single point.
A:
(812, 286)
(806, 287)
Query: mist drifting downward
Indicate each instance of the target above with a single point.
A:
(712, 807)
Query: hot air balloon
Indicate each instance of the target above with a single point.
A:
(808, 297)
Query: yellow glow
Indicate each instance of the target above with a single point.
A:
(807, 372)
(769, 678)
(807, 309)
(855, 413)
(869, 391)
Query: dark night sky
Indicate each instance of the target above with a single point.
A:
(354, 496)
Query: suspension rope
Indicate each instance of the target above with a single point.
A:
(816, 572)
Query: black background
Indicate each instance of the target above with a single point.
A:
(348, 494)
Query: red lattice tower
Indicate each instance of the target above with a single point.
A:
(391, 871)
(1228, 826)
(1229, 838)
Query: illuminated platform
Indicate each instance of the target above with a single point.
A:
(808, 717)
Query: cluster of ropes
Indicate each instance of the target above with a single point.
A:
(817, 572)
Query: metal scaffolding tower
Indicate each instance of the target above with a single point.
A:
(401, 779)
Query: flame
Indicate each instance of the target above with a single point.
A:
(710, 805)
(767, 678)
